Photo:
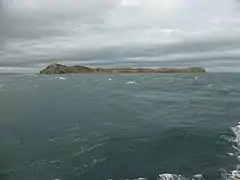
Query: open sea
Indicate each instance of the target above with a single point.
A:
(119, 127)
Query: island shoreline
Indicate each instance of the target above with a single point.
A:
(63, 69)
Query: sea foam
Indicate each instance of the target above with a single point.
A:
(234, 174)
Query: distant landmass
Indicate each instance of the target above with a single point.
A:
(62, 69)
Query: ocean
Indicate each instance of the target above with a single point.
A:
(119, 127)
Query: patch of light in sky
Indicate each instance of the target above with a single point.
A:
(130, 3)
(165, 6)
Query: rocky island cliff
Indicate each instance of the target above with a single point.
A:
(62, 69)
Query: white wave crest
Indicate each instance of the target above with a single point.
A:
(170, 177)
(62, 78)
(167, 176)
(234, 174)
(179, 177)
(210, 85)
(57, 78)
(131, 82)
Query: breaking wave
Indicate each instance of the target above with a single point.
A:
(167, 176)
(234, 140)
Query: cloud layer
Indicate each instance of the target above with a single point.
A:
(150, 33)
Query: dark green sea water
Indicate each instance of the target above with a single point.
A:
(99, 127)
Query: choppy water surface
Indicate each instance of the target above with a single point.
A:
(100, 127)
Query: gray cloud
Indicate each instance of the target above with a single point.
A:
(34, 33)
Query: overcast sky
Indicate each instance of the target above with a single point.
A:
(149, 33)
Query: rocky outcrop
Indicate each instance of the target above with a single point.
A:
(61, 69)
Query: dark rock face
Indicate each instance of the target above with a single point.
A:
(61, 69)
(54, 69)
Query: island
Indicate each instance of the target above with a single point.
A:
(62, 69)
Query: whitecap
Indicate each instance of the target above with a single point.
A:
(110, 79)
(58, 77)
(234, 174)
(230, 154)
(197, 176)
(131, 82)
(170, 177)
(210, 85)
(62, 78)
(167, 176)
